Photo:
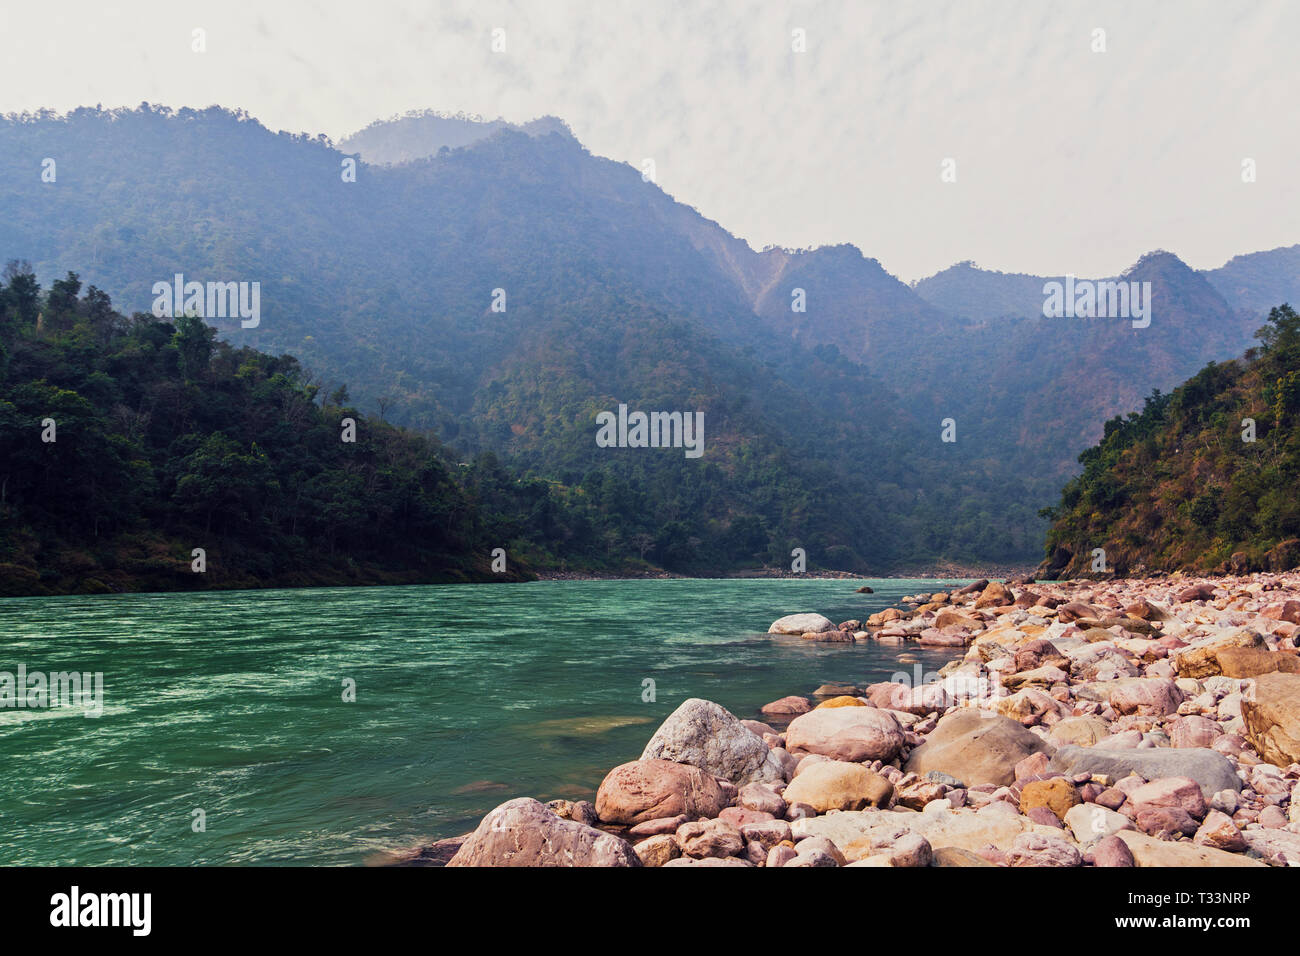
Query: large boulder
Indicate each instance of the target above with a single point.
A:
(1150, 851)
(1200, 658)
(1211, 770)
(976, 747)
(839, 785)
(1144, 696)
(846, 733)
(1272, 718)
(644, 790)
(856, 832)
(799, 624)
(706, 735)
(524, 832)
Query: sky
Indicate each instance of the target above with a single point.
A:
(1071, 150)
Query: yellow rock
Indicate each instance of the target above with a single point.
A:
(841, 702)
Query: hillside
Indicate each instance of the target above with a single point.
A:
(125, 444)
(824, 424)
(1186, 484)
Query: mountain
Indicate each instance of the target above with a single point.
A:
(500, 286)
(141, 455)
(1256, 282)
(424, 133)
(1202, 479)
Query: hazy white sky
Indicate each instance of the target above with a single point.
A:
(1066, 159)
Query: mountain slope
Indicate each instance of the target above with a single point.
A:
(1189, 483)
(390, 282)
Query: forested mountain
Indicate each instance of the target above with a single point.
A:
(506, 286)
(126, 444)
(1206, 478)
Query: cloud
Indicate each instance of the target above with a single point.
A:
(1067, 159)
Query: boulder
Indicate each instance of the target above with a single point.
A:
(1040, 849)
(767, 834)
(763, 797)
(1194, 731)
(524, 832)
(706, 735)
(1200, 658)
(657, 850)
(1241, 662)
(787, 706)
(966, 829)
(644, 790)
(1150, 851)
(1090, 822)
(995, 595)
(1056, 794)
(1111, 851)
(1220, 833)
(976, 747)
(706, 838)
(1272, 718)
(844, 701)
(1079, 731)
(799, 624)
(1145, 696)
(846, 733)
(838, 785)
(1211, 771)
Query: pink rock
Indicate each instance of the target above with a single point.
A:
(1112, 798)
(799, 811)
(710, 838)
(1037, 849)
(1218, 831)
(769, 834)
(655, 827)
(847, 733)
(755, 853)
(1150, 696)
(1194, 731)
(739, 816)
(788, 705)
(1182, 793)
(779, 856)
(761, 796)
(1166, 820)
(1272, 818)
(926, 699)
(1035, 765)
(644, 790)
(1111, 851)
(1044, 817)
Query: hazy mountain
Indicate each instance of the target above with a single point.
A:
(420, 134)
(824, 422)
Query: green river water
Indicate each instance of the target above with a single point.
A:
(466, 696)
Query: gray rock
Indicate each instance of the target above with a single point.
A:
(705, 735)
(1211, 770)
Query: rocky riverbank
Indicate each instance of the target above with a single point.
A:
(1112, 724)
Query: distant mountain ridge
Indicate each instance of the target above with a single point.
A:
(826, 421)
